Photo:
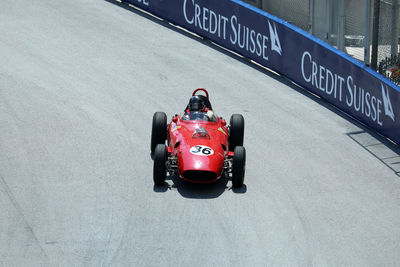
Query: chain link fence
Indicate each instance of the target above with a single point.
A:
(295, 12)
(389, 26)
(356, 23)
(345, 24)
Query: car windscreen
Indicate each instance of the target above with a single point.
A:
(197, 115)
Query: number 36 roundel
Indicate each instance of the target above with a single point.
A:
(201, 150)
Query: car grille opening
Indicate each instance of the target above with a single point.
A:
(200, 175)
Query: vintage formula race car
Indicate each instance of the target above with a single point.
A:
(200, 148)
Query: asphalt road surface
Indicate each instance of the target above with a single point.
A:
(79, 83)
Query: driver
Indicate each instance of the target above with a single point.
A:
(196, 109)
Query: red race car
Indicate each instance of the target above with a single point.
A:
(201, 148)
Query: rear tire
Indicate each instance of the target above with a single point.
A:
(236, 132)
(159, 130)
(159, 168)
(238, 166)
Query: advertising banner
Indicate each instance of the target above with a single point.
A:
(333, 75)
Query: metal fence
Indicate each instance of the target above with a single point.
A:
(389, 26)
(390, 67)
(345, 24)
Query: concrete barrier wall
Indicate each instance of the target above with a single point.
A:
(341, 80)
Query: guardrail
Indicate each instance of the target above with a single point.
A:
(327, 72)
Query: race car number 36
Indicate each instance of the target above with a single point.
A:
(202, 150)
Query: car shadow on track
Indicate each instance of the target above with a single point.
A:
(198, 191)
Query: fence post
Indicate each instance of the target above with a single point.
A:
(311, 18)
(259, 4)
(375, 31)
(341, 41)
(394, 37)
(367, 50)
(328, 20)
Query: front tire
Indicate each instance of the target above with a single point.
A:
(236, 132)
(238, 166)
(159, 130)
(159, 168)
